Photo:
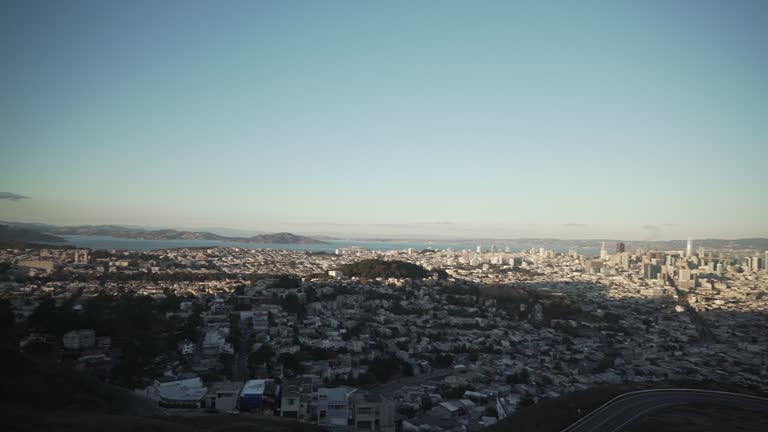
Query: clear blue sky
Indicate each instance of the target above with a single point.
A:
(627, 119)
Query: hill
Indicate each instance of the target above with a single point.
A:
(43, 232)
(376, 268)
(26, 235)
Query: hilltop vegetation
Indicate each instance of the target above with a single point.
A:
(376, 268)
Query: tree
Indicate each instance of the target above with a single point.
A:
(491, 411)
(7, 318)
(442, 361)
(226, 360)
(261, 356)
(384, 367)
(292, 304)
(290, 362)
(526, 401)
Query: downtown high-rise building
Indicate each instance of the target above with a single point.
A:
(689, 248)
(651, 271)
(620, 248)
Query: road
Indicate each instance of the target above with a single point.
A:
(623, 410)
(705, 334)
(240, 362)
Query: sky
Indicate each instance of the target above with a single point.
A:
(505, 119)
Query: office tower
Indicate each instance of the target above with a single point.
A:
(625, 260)
(479, 249)
(685, 275)
(765, 261)
(620, 248)
(689, 248)
(603, 252)
(651, 271)
(506, 249)
(493, 248)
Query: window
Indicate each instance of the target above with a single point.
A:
(322, 414)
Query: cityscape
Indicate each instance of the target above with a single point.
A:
(400, 216)
(390, 340)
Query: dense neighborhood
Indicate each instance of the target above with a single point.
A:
(388, 340)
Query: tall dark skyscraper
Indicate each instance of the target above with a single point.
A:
(621, 247)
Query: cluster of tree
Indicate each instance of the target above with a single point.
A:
(286, 281)
(136, 324)
(442, 361)
(520, 377)
(377, 268)
(397, 308)
(262, 357)
(384, 368)
(454, 392)
(510, 297)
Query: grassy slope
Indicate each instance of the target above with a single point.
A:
(40, 396)
(554, 415)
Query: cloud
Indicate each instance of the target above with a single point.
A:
(575, 225)
(654, 231)
(12, 196)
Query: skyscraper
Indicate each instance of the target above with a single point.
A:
(689, 248)
(603, 252)
(620, 247)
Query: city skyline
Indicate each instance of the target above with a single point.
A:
(618, 120)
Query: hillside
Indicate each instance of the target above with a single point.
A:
(42, 232)
(376, 268)
(26, 235)
(41, 396)
(553, 415)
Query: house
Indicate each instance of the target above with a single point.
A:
(506, 406)
(448, 409)
(373, 412)
(296, 398)
(183, 391)
(223, 395)
(333, 406)
(79, 339)
(290, 399)
(258, 394)
(187, 347)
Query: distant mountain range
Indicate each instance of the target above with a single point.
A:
(50, 233)
(26, 235)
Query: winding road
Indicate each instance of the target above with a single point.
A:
(619, 412)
